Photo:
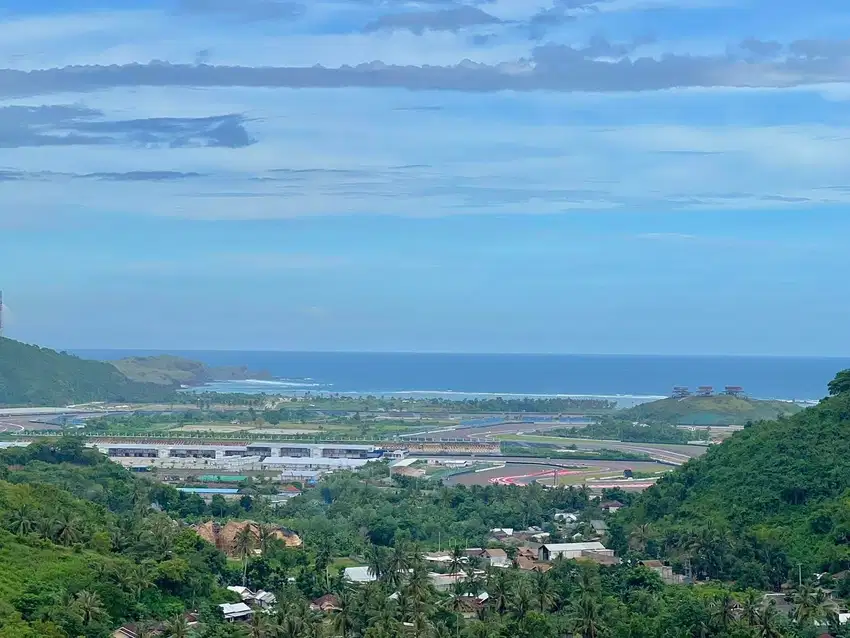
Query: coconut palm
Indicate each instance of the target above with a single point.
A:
(499, 591)
(544, 590)
(377, 561)
(456, 559)
(243, 545)
(266, 538)
(522, 600)
(89, 607)
(811, 605)
(639, 537)
(751, 605)
(343, 621)
(723, 610)
(586, 612)
(767, 621)
(21, 520)
(260, 626)
(66, 529)
(176, 627)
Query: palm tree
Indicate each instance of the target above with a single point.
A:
(723, 610)
(419, 586)
(456, 559)
(144, 631)
(66, 529)
(499, 591)
(266, 538)
(135, 580)
(177, 627)
(22, 520)
(522, 600)
(376, 559)
(544, 590)
(243, 544)
(767, 621)
(343, 619)
(639, 536)
(811, 605)
(586, 616)
(259, 626)
(89, 606)
(751, 605)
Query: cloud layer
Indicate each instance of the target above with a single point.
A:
(256, 109)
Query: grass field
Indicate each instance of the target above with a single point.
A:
(684, 450)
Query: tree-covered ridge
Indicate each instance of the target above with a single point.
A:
(774, 495)
(714, 410)
(30, 375)
(83, 548)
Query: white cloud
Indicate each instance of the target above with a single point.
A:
(364, 157)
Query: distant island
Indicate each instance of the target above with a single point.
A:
(169, 370)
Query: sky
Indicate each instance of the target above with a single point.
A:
(564, 176)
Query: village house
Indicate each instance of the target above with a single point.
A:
(325, 604)
(552, 551)
(566, 517)
(611, 506)
(471, 606)
(133, 630)
(496, 557)
(665, 571)
(530, 565)
(236, 612)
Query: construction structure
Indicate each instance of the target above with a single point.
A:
(1, 313)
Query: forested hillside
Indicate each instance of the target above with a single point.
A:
(80, 561)
(30, 375)
(774, 495)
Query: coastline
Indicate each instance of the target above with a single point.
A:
(291, 388)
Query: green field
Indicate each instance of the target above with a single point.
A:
(589, 444)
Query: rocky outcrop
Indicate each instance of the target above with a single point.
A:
(223, 536)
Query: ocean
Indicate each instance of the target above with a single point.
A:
(631, 379)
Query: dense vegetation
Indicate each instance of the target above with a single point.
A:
(714, 410)
(617, 429)
(85, 546)
(772, 497)
(174, 371)
(82, 550)
(30, 375)
(350, 403)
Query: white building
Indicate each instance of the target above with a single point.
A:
(359, 574)
(551, 551)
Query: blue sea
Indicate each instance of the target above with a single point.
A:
(631, 379)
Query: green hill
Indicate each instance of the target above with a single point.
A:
(170, 370)
(714, 410)
(83, 551)
(30, 375)
(773, 495)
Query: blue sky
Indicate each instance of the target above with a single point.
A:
(611, 176)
